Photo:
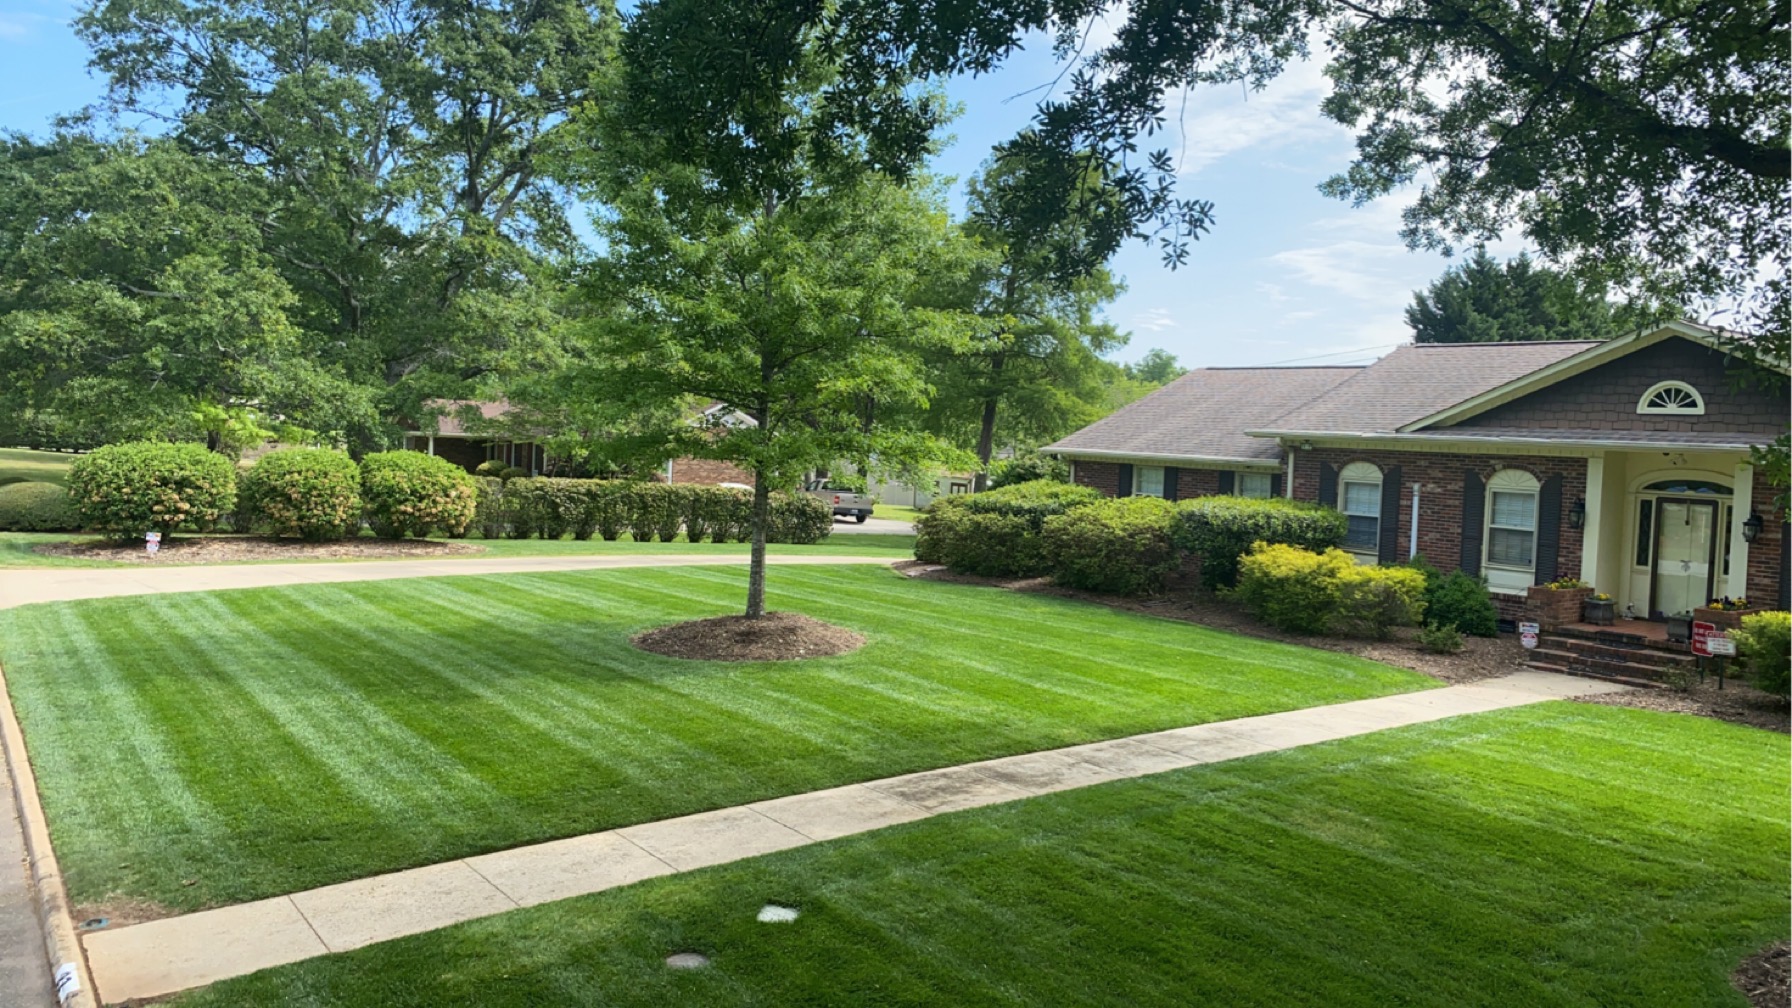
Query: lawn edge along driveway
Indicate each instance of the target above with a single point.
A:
(161, 957)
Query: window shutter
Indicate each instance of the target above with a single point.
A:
(1388, 550)
(1172, 477)
(1275, 485)
(1785, 566)
(1124, 487)
(1227, 481)
(1474, 507)
(1549, 529)
(1328, 485)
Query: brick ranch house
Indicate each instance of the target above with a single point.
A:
(1622, 463)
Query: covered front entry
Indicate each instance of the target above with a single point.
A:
(1665, 530)
(1686, 557)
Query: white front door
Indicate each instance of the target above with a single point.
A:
(1685, 537)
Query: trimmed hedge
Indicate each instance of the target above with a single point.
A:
(409, 493)
(1220, 530)
(312, 493)
(142, 486)
(1122, 545)
(996, 533)
(493, 468)
(30, 506)
(1316, 593)
(1765, 640)
(797, 518)
(551, 508)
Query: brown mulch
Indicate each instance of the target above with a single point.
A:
(227, 549)
(1765, 978)
(1480, 658)
(1737, 703)
(118, 912)
(776, 636)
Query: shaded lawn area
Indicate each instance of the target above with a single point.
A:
(35, 466)
(217, 747)
(17, 549)
(1560, 854)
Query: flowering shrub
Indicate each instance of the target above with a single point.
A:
(409, 493)
(151, 486)
(312, 493)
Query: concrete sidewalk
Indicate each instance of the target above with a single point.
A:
(23, 586)
(160, 957)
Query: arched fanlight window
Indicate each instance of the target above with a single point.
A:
(1672, 397)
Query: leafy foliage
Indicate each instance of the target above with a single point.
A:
(1460, 602)
(1481, 301)
(312, 493)
(409, 493)
(1765, 640)
(1373, 600)
(1028, 467)
(985, 544)
(30, 506)
(1440, 638)
(1121, 545)
(1220, 530)
(1324, 592)
(144, 486)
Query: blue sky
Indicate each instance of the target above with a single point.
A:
(1284, 275)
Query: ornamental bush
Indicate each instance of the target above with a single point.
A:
(1028, 467)
(30, 506)
(1122, 545)
(996, 533)
(798, 518)
(409, 493)
(1373, 600)
(1439, 638)
(1460, 602)
(491, 467)
(1220, 530)
(312, 493)
(1291, 588)
(129, 489)
(491, 510)
(1765, 640)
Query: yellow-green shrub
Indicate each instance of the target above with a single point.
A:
(137, 487)
(1765, 640)
(1121, 545)
(1292, 588)
(1372, 601)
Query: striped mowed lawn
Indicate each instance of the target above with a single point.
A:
(216, 747)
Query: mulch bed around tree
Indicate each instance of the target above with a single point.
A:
(1765, 978)
(226, 549)
(776, 636)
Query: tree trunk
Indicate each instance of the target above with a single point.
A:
(986, 433)
(762, 513)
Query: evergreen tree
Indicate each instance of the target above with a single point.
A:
(1484, 301)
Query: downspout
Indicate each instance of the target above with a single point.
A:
(1288, 480)
(1412, 538)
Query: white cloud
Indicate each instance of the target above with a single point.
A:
(1366, 271)
(15, 27)
(1217, 122)
(1154, 320)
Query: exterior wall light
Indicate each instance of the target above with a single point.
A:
(1577, 515)
(1751, 529)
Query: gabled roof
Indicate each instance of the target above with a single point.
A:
(1203, 415)
(1596, 354)
(1417, 381)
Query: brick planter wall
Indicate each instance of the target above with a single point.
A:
(1552, 607)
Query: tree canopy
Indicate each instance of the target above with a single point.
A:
(1484, 301)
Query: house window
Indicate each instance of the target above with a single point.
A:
(1359, 497)
(1252, 485)
(1645, 531)
(1148, 481)
(1672, 397)
(1511, 529)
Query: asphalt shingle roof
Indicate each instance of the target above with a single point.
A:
(1204, 414)
(1416, 381)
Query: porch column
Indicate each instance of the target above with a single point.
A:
(1742, 504)
(1589, 530)
(432, 444)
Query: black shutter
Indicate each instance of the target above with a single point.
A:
(1549, 529)
(1388, 550)
(1474, 508)
(1785, 566)
(1172, 477)
(1227, 481)
(1328, 485)
(1275, 485)
(1124, 486)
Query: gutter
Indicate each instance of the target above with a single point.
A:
(1542, 442)
(1269, 465)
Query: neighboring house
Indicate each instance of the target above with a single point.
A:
(1622, 463)
(451, 440)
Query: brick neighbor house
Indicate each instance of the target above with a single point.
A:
(1622, 463)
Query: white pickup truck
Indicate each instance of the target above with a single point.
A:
(848, 503)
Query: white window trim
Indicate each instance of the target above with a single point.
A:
(1509, 579)
(1138, 473)
(1696, 409)
(1358, 473)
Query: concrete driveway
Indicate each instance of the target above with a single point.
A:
(885, 526)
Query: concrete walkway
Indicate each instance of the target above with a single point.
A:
(24, 969)
(160, 957)
(25, 585)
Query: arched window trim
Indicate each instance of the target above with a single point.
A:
(1362, 508)
(1678, 399)
(1509, 532)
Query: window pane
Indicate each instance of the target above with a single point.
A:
(1510, 547)
(1148, 481)
(1253, 484)
(1364, 533)
(1645, 532)
(1514, 510)
(1362, 499)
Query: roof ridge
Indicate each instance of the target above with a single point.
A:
(1503, 343)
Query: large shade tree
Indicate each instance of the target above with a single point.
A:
(1482, 300)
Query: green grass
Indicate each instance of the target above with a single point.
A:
(1562, 854)
(17, 549)
(207, 748)
(895, 512)
(37, 466)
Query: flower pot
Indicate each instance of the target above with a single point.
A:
(1680, 628)
(1723, 619)
(1599, 612)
